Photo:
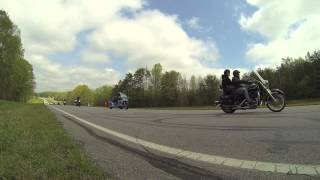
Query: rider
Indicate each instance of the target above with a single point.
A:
(227, 85)
(78, 101)
(236, 81)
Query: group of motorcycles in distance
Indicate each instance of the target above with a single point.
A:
(120, 101)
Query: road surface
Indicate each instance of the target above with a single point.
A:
(154, 144)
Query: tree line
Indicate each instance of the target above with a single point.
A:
(96, 97)
(16, 74)
(155, 88)
(299, 78)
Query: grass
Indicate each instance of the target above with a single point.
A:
(35, 100)
(33, 145)
(304, 102)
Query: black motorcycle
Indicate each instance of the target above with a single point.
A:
(258, 91)
(77, 102)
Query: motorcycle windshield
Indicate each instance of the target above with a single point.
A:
(123, 96)
(259, 76)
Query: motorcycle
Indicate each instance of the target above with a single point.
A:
(259, 91)
(77, 102)
(121, 102)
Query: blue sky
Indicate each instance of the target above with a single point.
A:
(220, 18)
(96, 42)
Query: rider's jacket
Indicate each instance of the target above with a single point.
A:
(226, 82)
(227, 85)
(237, 82)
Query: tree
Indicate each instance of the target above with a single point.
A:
(138, 88)
(102, 94)
(24, 83)
(169, 88)
(212, 88)
(201, 93)
(156, 75)
(192, 91)
(85, 94)
(183, 91)
(16, 74)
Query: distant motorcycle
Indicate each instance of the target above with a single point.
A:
(121, 101)
(77, 102)
(259, 91)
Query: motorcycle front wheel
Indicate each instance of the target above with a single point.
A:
(279, 104)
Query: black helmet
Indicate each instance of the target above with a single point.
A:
(236, 73)
(227, 71)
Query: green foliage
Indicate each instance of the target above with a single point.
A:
(102, 94)
(170, 88)
(35, 100)
(298, 78)
(154, 89)
(86, 95)
(90, 97)
(16, 74)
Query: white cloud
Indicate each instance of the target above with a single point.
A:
(148, 37)
(152, 37)
(52, 26)
(55, 77)
(290, 28)
(194, 23)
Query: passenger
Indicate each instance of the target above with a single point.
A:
(115, 99)
(78, 101)
(236, 81)
(227, 85)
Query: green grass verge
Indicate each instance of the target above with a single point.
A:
(35, 100)
(304, 102)
(33, 145)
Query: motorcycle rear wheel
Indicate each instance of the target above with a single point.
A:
(228, 110)
(276, 106)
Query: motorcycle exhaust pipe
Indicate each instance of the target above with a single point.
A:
(217, 103)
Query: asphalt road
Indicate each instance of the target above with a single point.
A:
(290, 137)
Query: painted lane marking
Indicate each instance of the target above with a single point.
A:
(212, 159)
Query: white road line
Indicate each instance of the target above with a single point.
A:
(212, 159)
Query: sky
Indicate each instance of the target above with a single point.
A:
(96, 42)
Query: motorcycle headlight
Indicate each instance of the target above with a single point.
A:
(266, 83)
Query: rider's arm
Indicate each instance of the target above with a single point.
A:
(236, 81)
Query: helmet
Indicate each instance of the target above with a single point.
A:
(227, 71)
(236, 73)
